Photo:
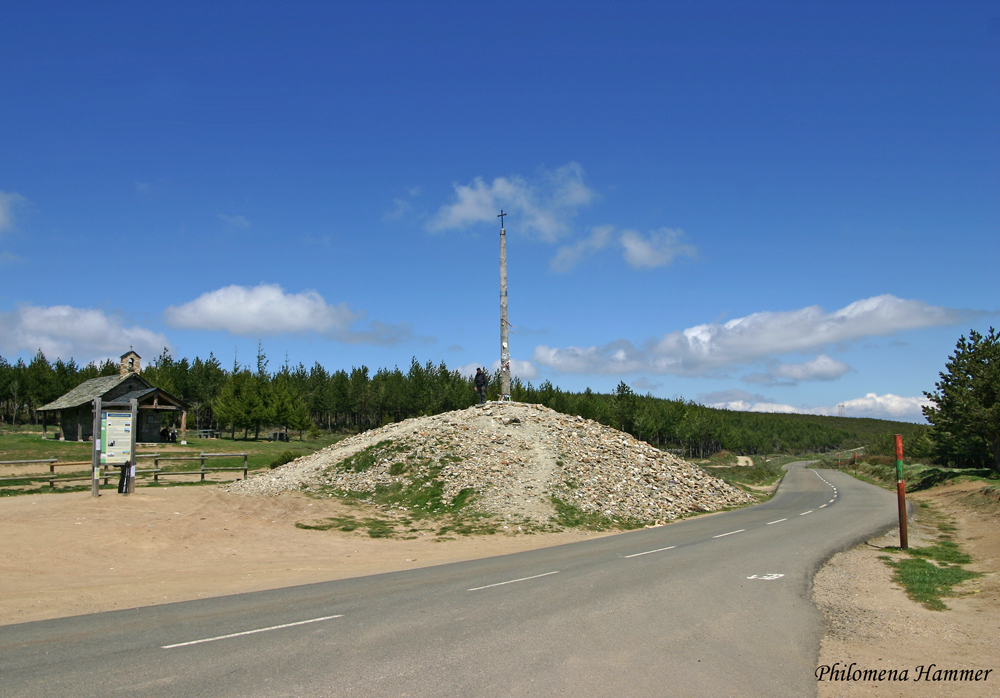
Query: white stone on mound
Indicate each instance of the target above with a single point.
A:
(516, 456)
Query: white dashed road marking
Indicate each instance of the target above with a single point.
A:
(658, 550)
(511, 581)
(774, 522)
(249, 632)
(806, 512)
(721, 535)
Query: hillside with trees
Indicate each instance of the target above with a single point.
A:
(246, 401)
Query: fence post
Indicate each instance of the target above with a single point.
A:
(244, 466)
(95, 463)
(156, 469)
(203, 467)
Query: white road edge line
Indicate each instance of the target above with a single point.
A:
(806, 512)
(721, 535)
(249, 632)
(658, 550)
(511, 581)
(773, 522)
(824, 506)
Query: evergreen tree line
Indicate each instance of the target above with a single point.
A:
(250, 399)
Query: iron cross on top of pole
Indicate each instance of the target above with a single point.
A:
(502, 214)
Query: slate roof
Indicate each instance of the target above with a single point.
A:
(137, 394)
(84, 393)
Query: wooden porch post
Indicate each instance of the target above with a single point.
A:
(184, 421)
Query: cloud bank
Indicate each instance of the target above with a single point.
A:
(84, 334)
(542, 208)
(713, 348)
(888, 406)
(267, 310)
(822, 368)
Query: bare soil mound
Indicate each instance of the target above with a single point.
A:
(510, 460)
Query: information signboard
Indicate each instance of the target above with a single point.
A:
(116, 437)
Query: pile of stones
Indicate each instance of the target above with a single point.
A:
(516, 457)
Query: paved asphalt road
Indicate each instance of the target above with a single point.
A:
(710, 607)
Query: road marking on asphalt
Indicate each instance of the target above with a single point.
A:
(648, 552)
(774, 522)
(830, 502)
(511, 581)
(806, 512)
(824, 506)
(249, 632)
(766, 577)
(721, 535)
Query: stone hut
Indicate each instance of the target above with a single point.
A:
(74, 411)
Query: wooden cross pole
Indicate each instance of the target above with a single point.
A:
(504, 345)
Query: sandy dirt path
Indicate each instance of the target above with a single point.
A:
(68, 554)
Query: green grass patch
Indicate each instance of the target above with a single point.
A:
(368, 457)
(925, 582)
(760, 473)
(571, 516)
(283, 458)
(376, 527)
(929, 573)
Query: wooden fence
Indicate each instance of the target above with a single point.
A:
(110, 471)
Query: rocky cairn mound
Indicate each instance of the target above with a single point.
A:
(510, 459)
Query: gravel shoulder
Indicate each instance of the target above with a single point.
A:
(872, 623)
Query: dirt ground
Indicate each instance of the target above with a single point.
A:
(872, 623)
(68, 554)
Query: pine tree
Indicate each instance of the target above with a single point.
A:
(966, 411)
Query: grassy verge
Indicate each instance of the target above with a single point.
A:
(571, 516)
(763, 473)
(881, 471)
(929, 574)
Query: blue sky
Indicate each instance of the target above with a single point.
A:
(775, 206)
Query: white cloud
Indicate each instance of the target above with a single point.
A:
(268, 310)
(888, 406)
(8, 201)
(713, 347)
(234, 221)
(468, 370)
(525, 370)
(658, 250)
(84, 334)
(568, 256)
(542, 207)
(822, 368)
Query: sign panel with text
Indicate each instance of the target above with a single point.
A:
(116, 437)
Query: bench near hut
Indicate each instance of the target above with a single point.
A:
(74, 411)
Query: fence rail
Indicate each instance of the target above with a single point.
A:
(106, 472)
(157, 471)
